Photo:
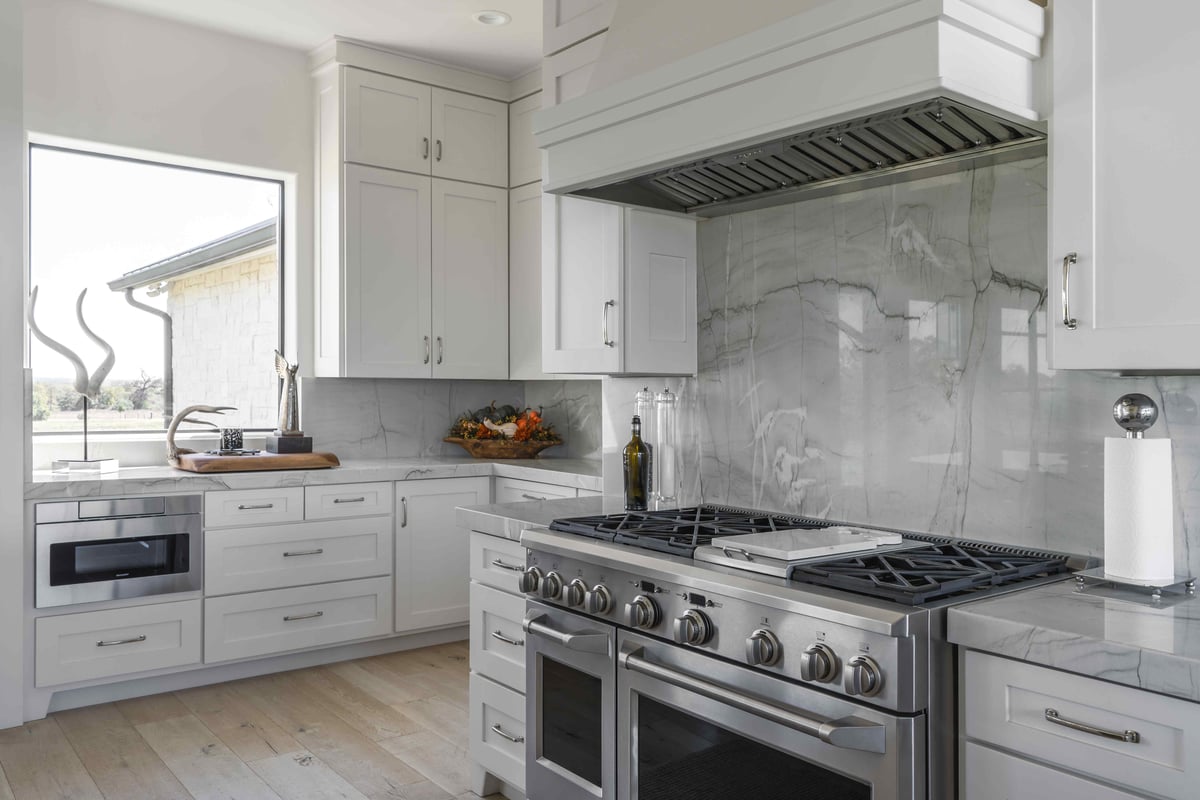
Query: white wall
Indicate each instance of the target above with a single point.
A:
(12, 361)
(127, 81)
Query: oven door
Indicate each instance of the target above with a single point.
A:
(695, 726)
(570, 704)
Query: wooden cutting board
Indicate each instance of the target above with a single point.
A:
(203, 462)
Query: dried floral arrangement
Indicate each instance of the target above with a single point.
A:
(504, 422)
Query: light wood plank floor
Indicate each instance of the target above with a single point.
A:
(391, 727)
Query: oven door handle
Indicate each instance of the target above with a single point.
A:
(580, 641)
(850, 733)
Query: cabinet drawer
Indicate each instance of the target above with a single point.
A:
(991, 775)
(253, 507)
(514, 490)
(134, 639)
(497, 718)
(1006, 704)
(590, 493)
(246, 625)
(349, 500)
(252, 559)
(496, 562)
(497, 639)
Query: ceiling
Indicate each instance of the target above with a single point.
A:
(439, 30)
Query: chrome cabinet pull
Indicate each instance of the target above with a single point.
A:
(1069, 322)
(337, 500)
(496, 729)
(604, 322)
(403, 512)
(294, 617)
(1133, 737)
(533, 497)
(514, 642)
(112, 642)
(851, 733)
(255, 506)
(441, 349)
(439, 149)
(425, 148)
(514, 567)
(426, 338)
(316, 552)
(581, 641)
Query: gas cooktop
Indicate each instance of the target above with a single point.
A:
(924, 569)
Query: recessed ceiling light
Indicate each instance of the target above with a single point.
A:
(492, 18)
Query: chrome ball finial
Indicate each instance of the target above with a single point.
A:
(1135, 413)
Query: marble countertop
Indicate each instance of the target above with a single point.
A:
(507, 520)
(577, 473)
(1089, 633)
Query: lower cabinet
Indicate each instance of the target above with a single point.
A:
(515, 490)
(498, 731)
(1059, 725)
(116, 641)
(432, 552)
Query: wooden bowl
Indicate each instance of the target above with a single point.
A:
(502, 448)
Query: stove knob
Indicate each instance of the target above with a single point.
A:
(862, 676)
(530, 580)
(598, 600)
(693, 628)
(642, 613)
(552, 586)
(763, 648)
(818, 663)
(574, 593)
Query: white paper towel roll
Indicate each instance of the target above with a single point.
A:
(1139, 513)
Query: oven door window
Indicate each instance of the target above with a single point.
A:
(572, 720)
(679, 755)
(115, 559)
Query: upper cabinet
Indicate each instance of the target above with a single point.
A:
(524, 158)
(1122, 282)
(399, 124)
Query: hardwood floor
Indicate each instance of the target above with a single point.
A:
(391, 727)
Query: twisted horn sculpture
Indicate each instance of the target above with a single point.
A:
(88, 387)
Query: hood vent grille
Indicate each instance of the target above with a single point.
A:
(934, 132)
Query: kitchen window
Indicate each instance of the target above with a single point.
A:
(183, 275)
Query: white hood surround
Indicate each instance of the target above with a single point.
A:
(817, 77)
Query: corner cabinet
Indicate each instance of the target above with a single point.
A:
(618, 290)
(1122, 280)
(412, 267)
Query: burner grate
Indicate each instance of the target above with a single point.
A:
(948, 568)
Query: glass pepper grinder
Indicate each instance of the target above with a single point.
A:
(665, 475)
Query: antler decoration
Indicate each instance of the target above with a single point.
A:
(88, 387)
(174, 452)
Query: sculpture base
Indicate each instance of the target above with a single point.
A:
(289, 444)
(83, 465)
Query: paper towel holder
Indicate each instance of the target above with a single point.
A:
(1136, 413)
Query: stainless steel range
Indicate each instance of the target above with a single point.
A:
(722, 653)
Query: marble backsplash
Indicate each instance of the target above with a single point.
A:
(379, 418)
(880, 356)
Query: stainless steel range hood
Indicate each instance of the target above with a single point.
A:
(844, 95)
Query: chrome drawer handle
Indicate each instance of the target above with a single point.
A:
(506, 640)
(255, 507)
(496, 729)
(316, 552)
(403, 512)
(441, 349)
(1068, 321)
(425, 147)
(337, 500)
(426, 338)
(439, 149)
(313, 615)
(514, 567)
(604, 323)
(1133, 737)
(111, 642)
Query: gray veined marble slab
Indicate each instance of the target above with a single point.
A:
(1058, 626)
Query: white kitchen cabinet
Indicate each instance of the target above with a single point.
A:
(1035, 714)
(618, 290)
(992, 775)
(386, 122)
(470, 138)
(1122, 178)
(525, 284)
(524, 157)
(567, 75)
(253, 506)
(565, 22)
(515, 490)
(432, 552)
(470, 280)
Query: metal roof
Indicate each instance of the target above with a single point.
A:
(237, 243)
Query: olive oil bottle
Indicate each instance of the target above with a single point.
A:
(636, 459)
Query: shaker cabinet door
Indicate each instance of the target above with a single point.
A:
(470, 138)
(1123, 281)
(387, 121)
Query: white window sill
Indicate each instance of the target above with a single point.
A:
(131, 449)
